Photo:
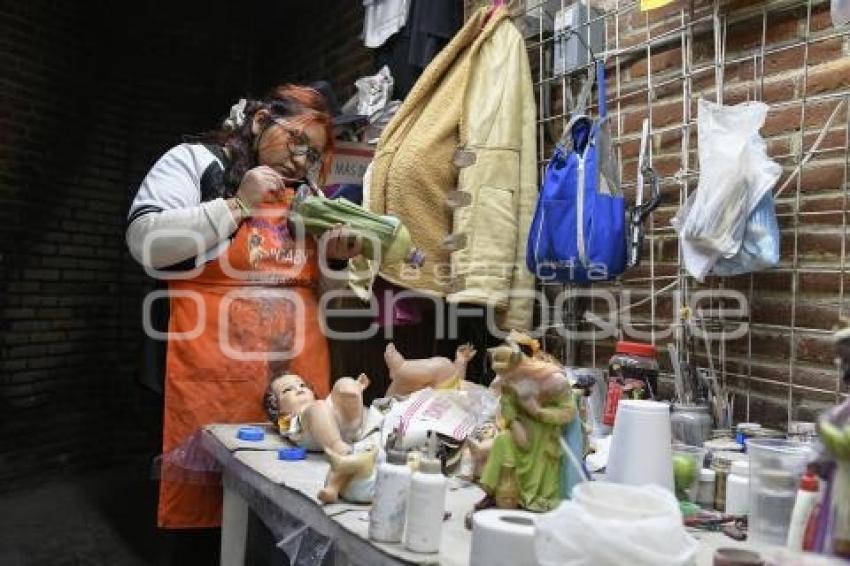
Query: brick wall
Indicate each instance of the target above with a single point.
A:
(92, 93)
(783, 367)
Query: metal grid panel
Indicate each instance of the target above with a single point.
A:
(695, 25)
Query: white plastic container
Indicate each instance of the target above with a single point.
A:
(705, 491)
(426, 505)
(389, 508)
(641, 447)
(775, 470)
(808, 497)
(738, 488)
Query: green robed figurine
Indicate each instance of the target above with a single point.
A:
(524, 465)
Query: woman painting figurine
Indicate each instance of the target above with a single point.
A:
(242, 285)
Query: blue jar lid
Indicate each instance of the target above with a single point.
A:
(251, 433)
(294, 453)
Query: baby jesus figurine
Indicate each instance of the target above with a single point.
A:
(331, 425)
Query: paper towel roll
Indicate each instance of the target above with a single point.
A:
(502, 537)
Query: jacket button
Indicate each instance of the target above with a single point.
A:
(454, 242)
(463, 158)
(458, 199)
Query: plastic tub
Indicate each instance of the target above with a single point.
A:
(775, 470)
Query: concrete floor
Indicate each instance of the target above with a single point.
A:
(105, 517)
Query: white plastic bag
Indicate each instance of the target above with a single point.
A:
(735, 174)
(579, 535)
(374, 92)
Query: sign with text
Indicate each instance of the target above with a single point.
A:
(349, 163)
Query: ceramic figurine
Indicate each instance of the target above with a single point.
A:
(834, 431)
(408, 376)
(331, 425)
(536, 402)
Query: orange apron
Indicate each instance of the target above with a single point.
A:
(249, 315)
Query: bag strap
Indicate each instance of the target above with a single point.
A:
(600, 91)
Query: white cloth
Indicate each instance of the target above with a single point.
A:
(178, 226)
(382, 19)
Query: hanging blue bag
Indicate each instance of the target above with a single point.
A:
(578, 233)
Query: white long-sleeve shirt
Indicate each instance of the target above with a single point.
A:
(175, 217)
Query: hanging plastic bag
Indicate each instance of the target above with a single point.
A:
(613, 527)
(735, 175)
(374, 92)
(760, 248)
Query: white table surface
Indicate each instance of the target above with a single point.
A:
(305, 478)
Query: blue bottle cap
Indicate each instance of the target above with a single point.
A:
(251, 433)
(294, 453)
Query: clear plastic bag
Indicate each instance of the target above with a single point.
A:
(760, 247)
(735, 175)
(613, 528)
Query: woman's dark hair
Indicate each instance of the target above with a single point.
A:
(300, 105)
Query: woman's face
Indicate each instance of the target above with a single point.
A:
(290, 148)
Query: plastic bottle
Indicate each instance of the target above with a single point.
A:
(807, 498)
(392, 488)
(426, 505)
(738, 488)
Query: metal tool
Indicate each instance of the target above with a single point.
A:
(640, 211)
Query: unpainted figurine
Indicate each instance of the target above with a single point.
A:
(535, 404)
(408, 376)
(330, 425)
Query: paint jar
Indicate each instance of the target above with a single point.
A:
(705, 490)
(721, 463)
(632, 362)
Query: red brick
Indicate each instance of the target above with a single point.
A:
(815, 349)
(820, 176)
(821, 18)
(793, 57)
(829, 76)
(659, 62)
(787, 118)
(747, 34)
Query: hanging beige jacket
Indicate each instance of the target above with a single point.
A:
(458, 165)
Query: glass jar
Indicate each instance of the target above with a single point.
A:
(636, 361)
(690, 424)
(721, 463)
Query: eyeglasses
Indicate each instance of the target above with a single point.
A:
(299, 145)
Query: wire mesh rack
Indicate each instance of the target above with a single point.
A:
(785, 53)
